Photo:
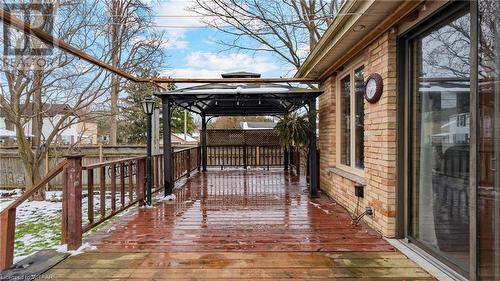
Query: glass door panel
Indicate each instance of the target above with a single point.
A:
(488, 192)
(440, 140)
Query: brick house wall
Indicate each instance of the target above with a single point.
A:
(379, 140)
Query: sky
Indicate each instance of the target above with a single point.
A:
(193, 52)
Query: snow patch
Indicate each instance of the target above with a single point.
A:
(54, 196)
(18, 259)
(81, 250)
(146, 206)
(319, 207)
(26, 238)
(170, 197)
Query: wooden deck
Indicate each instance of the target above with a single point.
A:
(245, 225)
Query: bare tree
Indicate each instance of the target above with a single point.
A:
(30, 90)
(287, 28)
(28, 93)
(132, 42)
(448, 48)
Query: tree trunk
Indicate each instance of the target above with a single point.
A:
(36, 129)
(34, 177)
(115, 60)
(114, 111)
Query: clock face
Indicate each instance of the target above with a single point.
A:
(373, 88)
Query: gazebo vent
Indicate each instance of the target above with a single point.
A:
(240, 74)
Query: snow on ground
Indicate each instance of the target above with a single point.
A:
(38, 223)
(170, 197)
(81, 250)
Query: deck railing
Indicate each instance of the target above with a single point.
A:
(123, 180)
(126, 181)
(245, 156)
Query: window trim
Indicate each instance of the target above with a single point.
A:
(338, 164)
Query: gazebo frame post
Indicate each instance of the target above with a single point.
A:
(203, 143)
(286, 157)
(313, 167)
(167, 146)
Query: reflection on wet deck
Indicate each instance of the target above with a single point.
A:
(239, 210)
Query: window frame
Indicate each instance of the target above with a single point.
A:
(350, 71)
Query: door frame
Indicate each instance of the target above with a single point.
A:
(404, 141)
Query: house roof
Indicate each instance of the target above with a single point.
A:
(48, 110)
(226, 99)
(358, 24)
(257, 125)
(183, 137)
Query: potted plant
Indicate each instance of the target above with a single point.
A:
(294, 131)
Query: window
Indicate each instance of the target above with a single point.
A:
(345, 121)
(351, 119)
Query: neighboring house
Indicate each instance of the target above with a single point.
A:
(182, 139)
(411, 92)
(257, 125)
(73, 130)
(87, 132)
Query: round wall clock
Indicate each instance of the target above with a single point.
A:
(373, 88)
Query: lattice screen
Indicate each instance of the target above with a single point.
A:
(242, 137)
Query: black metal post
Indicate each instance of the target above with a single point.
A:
(204, 143)
(313, 173)
(286, 157)
(245, 163)
(149, 177)
(167, 147)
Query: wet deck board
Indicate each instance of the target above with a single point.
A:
(239, 225)
(232, 266)
(240, 210)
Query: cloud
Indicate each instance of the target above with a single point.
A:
(211, 65)
(175, 40)
(230, 62)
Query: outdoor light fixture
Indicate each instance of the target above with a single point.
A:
(148, 105)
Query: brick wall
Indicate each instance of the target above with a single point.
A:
(380, 142)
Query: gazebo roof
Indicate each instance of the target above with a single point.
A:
(218, 99)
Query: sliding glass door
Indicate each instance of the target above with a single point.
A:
(452, 149)
(488, 191)
(439, 143)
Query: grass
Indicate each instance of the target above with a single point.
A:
(37, 235)
(41, 232)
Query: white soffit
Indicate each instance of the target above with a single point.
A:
(342, 34)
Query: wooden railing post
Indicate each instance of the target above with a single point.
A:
(72, 203)
(188, 163)
(7, 237)
(141, 178)
(90, 194)
(113, 187)
(102, 191)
